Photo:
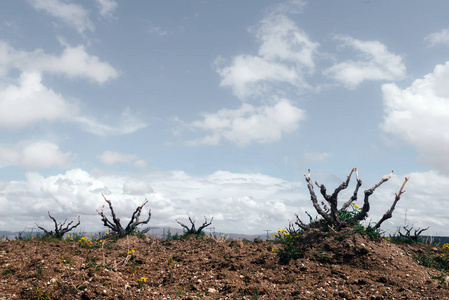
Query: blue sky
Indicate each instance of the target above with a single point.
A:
(218, 108)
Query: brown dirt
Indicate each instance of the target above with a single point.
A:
(332, 267)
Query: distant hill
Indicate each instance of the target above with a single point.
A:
(156, 232)
(162, 232)
(436, 239)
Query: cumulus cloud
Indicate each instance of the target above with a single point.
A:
(246, 203)
(281, 40)
(110, 157)
(29, 102)
(74, 15)
(419, 115)
(285, 53)
(440, 37)
(137, 187)
(107, 7)
(249, 124)
(37, 155)
(375, 63)
(73, 62)
(250, 75)
(242, 203)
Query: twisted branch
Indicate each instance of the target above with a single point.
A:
(192, 229)
(115, 226)
(389, 212)
(59, 230)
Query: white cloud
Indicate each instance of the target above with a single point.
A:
(140, 163)
(158, 30)
(73, 15)
(110, 157)
(31, 102)
(375, 63)
(73, 62)
(251, 75)
(107, 7)
(310, 156)
(422, 205)
(286, 52)
(245, 203)
(419, 115)
(137, 187)
(283, 41)
(441, 37)
(249, 124)
(37, 155)
(127, 123)
(290, 7)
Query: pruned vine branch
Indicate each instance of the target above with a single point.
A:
(115, 226)
(192, 229)
(389, 212)
(341, 217)
(59, 229)
(408, 234)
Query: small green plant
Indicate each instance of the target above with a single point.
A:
(9, 270)
(38, 270)
(130, 260)
(370, 231)
(141, 282)
(66, 260)
(291, 248)
(40, 294)
(180, 292)
(96, 241)
(140, 234)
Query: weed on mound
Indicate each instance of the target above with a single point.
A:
(349, 245)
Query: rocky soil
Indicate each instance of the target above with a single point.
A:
(331, 267)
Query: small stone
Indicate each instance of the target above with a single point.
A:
(211, 290)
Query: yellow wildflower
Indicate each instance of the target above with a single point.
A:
(356, 206)
(143, 279)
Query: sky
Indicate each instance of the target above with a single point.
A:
(219, 108)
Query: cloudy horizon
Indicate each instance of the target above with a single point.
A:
(218, 109)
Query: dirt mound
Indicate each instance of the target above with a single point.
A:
(343, 265)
